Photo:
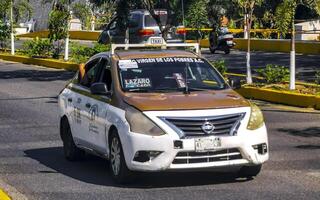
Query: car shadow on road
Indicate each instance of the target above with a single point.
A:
(94, 170)
(307, 132)
(37, 75)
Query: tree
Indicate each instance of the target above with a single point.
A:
(83, 12)
(248, 7)
(285, 16)
(197, 15)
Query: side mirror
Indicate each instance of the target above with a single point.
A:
(235, 83)
(99, 89)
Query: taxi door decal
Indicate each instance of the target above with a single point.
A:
(93, 114)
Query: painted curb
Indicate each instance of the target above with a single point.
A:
(270, 45)
(282, 97)
(4, 196)
(75, 35)
(41, 62)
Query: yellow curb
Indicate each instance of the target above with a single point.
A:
(271, 45)
(76, 35)
(41, 61)
(282, 97)
(4, 196)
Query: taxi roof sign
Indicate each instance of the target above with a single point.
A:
(155, 42)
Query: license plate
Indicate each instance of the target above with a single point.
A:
(230, 42)
(156, 40)
(206, 144)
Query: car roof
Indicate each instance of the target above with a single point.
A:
(132, 54)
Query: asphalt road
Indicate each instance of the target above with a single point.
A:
(32, 163)
(306, 65)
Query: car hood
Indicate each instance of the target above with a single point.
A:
(179, 101)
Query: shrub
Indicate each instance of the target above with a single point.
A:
(220, 65)
(274, 73)
(38, 47)
(4, 34)
(81, 53)
(317, 75)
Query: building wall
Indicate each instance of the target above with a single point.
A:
(311, 26)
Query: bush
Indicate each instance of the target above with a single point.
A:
(4, 34)
(38, 47)
(274, 73)
(81, 53)
(220, 65)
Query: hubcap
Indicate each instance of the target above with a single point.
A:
(115, 156)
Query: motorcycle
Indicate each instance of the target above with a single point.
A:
(221, 40)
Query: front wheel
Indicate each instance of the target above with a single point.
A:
(118, 167)
(71, 151)
(249, 171)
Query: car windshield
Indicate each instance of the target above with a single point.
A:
(170, 74)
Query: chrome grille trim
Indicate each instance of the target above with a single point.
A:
(188, 127)
(205, 157)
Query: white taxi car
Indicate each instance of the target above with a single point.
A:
(157, 110)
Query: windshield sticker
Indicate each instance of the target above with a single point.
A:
(137, 83)
(180, 80)
(128, 64)
(169, 60)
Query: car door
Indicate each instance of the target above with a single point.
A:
(98, 111)
(80, 102)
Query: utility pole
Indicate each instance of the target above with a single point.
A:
(12, 31)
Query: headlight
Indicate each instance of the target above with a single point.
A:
(139, 123)
(256, 118)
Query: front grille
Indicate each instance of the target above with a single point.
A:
(205, 157)
(223, 125)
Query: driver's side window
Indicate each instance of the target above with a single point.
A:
(90, 74)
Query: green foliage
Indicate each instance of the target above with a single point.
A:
(82, 12)
(21, 9)
(4, 34)
(197, 15)
(285, 12)
(81, 53)
(58, 23)
(317, 75)
(38, 47)
(220, 65)
(274, 73)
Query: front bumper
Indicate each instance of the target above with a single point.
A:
(243, 142)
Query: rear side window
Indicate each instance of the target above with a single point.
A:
(150, 21)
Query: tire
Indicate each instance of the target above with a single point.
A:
(71, 151)
(249, 171)
(227, 51)
(212, 50)
(118, 167)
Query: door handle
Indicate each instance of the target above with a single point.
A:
(69, 99)
(88, 105)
